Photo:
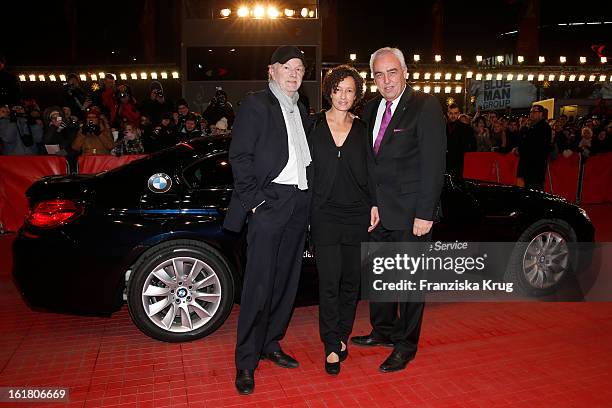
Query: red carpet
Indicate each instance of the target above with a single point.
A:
(471, 355)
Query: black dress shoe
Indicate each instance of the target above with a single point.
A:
(245, 381)
(343, 354)
(370, 340)
(281, 359)
(396, 361)
(332, 368)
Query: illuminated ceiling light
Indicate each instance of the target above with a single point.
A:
(311, 13)
(530, 77)
(437, 76)
(602, 78)
(22, 78)
(572, 78)
(289, 12)
(437, 89)
(32, 78)
(541, 59)
(427, 75)
(591, 78)
(416, 87)
(416, 57)
(458, 77)
(123, 76)
(520, 59)
(273, 12)
(540, 77)
(143, 75)
(562, 77)
(353, 57)
(153, 75)
(101, 75)
(583, 60)
(479, 58)
(427, 89)
(175, 74)
(373, 88)
(509, 77)
(134, 75)
(438, 58)
(226, 12)
(447, 89)
(164, 75)
(363, 74)
(469, 75)
(478, 76)
(458, 58)
(243, 11)
(519, 77)
(415, 75)
(489, 77)
(457, 89)
(581, 78)
(52, 78)
(604, 60)
(551, 77)
(82, 77)
(562, 59)
(500, 58)
(304, 12)
(259, 12)
(93, 77)
(41, 78)
(448, 76)
(62, 77)
(499, 77)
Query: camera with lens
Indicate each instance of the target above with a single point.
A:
(91, 127)
(158, 93)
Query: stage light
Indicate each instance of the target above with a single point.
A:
(258, 12)
(458, 89)
(562, 59)
(273, 12)
(479, 76)
(416, 87)
(500, 58)
(32, 78)
(509, 77)
(93, 77)
(123, 76)
(82, 77)
(541, 59)
(603, 60)
(143, 75)
(583, 60)
(164, 75)
(458, 58)
(427, 76)
(22, 78)
(373, 88)
(437, 89)
(52, 78)
(447, 89)
(591, 78)
(427, 89)
(551, 77)
(415, 75)
(499, 77)
(540, 77)
(562, 78)
(289, 12)
(520, 59)
(572, 78)
(175, 74)
(458, 77)
(469, 75)
(101, 75)
(416, 57)
(353, 57)
(519, 77)
(489, 77)
(62, 77)
(226, 12)
(153, 75)
(530, 77)
(304, 12)
(311, 13)
(41, 78)
(581, 78)
(479, 58)
(438, 58)
(243, 11)
(602, 78)
(134, 75)
(448, 76)
(363, 74)
(437, 76)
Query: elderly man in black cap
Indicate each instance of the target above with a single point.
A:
(269, 155)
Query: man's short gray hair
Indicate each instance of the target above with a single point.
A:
(388, 50)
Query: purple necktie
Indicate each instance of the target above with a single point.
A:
(383, 127)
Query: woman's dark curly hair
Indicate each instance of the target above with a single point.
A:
(337, 75)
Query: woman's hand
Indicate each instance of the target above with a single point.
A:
(374, 219)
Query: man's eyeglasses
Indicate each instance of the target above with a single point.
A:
(535, 110)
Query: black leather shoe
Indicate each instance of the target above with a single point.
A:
(343, 354)
(332, 368)
(245, 381)
(370, 340)
(396, 361)
(281, 359)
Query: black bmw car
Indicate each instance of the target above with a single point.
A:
(150, 232)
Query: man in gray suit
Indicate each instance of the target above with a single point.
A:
(408, 140)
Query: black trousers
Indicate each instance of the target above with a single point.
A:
(275, 244)
(399, 322)
(338, 266)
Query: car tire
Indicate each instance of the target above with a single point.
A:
(543, 258)
(180, 291)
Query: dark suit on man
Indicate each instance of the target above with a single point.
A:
(409, 175)
(276, 231)
(459, 140)
(534, 149)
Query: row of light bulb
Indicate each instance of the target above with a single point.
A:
(499, 58)
(478, 76)
(426, 89)
(269, 12)
(99, 75)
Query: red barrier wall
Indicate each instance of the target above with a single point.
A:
(480, 166)
(564, 173)
(17, 173)
(96, 163)
(597, 180)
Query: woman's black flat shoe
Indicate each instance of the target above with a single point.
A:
(332, 368)
(343, 354)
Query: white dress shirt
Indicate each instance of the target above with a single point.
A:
(289, 175)
(381, 111)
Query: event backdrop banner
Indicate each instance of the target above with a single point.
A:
(494, 95)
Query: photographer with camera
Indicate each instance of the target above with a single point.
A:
(127, 111)
(59, 130)
(218, 109)
(74, 96)
(156, 105)
(130, 141)
(161, 136)
(18, 134)
(95, 136)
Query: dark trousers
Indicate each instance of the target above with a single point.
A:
(275, 244)
(339, 277)
(399, 322)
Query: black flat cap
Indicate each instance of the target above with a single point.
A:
(285, 53)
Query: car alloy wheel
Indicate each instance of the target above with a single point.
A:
(546, 260)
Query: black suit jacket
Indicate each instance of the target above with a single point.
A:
(409, 166)
(258, 153)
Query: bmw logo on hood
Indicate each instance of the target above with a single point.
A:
(160, 183)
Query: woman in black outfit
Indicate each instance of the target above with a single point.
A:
(343, 209)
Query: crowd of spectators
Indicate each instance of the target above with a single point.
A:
(107, 120)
